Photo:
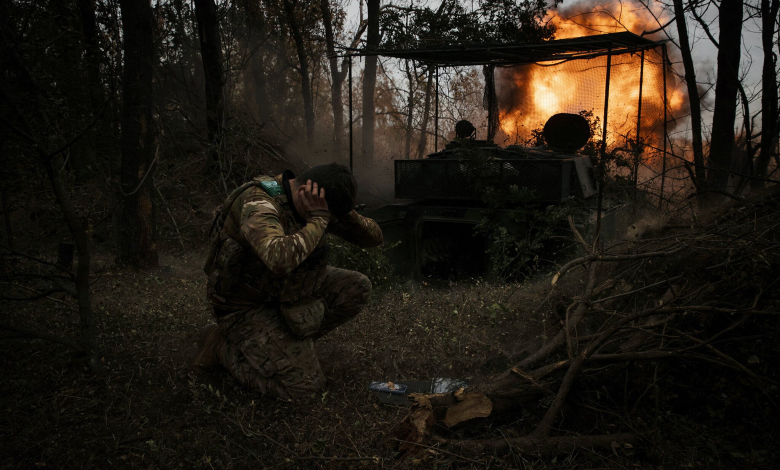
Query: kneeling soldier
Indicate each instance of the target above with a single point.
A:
(268, 283)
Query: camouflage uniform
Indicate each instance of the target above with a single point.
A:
(268, 257)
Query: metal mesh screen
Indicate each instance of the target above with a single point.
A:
(449, 179)
(528, 95)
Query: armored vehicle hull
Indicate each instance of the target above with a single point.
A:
(432, 232)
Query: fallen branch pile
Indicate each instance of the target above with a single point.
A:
(684, 295)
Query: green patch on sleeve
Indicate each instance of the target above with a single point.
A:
(272, 188)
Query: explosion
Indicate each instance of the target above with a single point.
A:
(528, 95)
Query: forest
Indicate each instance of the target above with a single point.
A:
(562, 223)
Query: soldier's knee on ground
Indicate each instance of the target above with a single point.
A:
(365, 283)
(356, 295)
(362, 290)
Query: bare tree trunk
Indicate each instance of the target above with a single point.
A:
(211, 54)
(91, 50)
(92, 61)
(426, 115)
(135, 232)
(337, 78)
(693, 95)
(726, 88)
(769, 104)
(88, 332)
(183, 17)
(369, 81)
(115, 70)
(410, 77)
(255, 84)
(83, 293)
(278, 89)
(303, 68)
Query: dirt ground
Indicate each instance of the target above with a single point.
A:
(150, 409)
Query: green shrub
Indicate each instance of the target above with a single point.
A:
(373, 262)
(520, 231)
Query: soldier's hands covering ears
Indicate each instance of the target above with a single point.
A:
(312, 197)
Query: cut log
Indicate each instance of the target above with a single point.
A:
(452, 409)
(416, 426)
(470, 406)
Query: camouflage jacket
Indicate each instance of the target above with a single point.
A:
(263, 239)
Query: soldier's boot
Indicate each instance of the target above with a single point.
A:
(210, 341)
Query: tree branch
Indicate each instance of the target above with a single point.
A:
(544, 446)
(600, 257)
(704, 25)
(41, 261)
(661, 28)
(44, 336)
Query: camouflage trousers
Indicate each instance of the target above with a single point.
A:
(260, 350)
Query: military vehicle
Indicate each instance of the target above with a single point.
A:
(432, 230)
(433, 233)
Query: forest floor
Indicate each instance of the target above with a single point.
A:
(151, 409)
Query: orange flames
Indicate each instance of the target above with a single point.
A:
(613, 17)
(528, 95)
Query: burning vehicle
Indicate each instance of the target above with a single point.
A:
(431, 229)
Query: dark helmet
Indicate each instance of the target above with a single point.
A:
(465, 130)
